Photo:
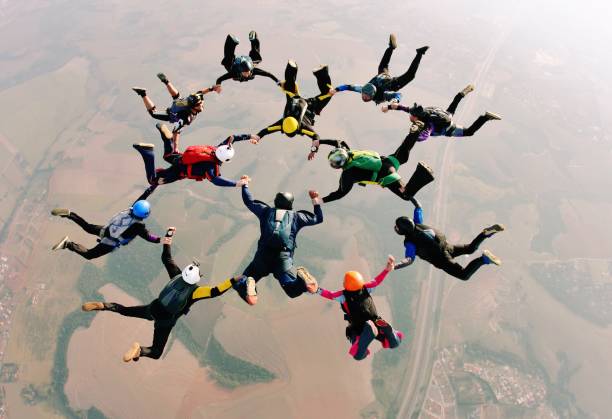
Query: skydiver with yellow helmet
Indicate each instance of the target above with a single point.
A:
(359, 309)
(299, 114)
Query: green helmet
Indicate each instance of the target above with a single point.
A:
(338, 158)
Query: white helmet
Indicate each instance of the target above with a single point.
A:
(191, 273)
(224, 153)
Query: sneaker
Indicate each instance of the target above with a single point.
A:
(467, 89)
(495, 228)
(61, 244)
(93, 306)
(133, 353)
(60, 212)
(164, 130)
(140, 91)
(162, 77)
(251, 287)
(490, 258)
(422, 50)
(143, 146)
(392, 41)
(492, 116)
(309, 280)
(252, 36)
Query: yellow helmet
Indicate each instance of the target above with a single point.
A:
(290, 125)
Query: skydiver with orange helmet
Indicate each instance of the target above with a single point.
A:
(299, 114)
(359, 310)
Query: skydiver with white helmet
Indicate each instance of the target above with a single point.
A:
(299, 113)
(384, 87)
(439, 122)
(431, 245)
(119, 231)
(174, 301)
(181, 112)
(242, 67)
(197, 162)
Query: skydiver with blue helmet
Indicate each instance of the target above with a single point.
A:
(242, 67)
(119, 231)
(383, 87)
(174, 301)
(431, 245)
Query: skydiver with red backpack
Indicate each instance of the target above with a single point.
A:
(197, 162)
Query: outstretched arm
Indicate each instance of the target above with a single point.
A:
(345, 187)
(205, 292)
(336, 295)
(335, 143)
(146, 193)
(409, 255)
(256, 208)
(305, 218)
(145, 234)
(349, 87)
(259, 72)
(393, 96)
(382, 275)
(224, 77)
(166, 257)
(277, 126)
(220, 180)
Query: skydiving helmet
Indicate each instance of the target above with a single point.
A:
(191, 273)
(353, 281)
(338, 158)
(224, 153)
(194, 99)
(141, 209)
(404, 225)
(369, 90)
(283, 200)
(242, 64)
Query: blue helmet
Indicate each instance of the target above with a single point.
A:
(243, 63)
(141, 209)
(368, 89)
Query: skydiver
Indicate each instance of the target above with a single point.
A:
(119, 231)
(431, 245)
(438, 122)
(299, 114)
(384, 87)
(242, 68)
(359, 309)
(368, 167)
(181, 112)
(198, 162)
(279, 226)
(174, 301)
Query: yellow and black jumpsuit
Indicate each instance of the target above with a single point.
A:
(163, 320)
(303, 110)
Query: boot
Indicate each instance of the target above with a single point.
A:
(422, 50)
(495, 228)
(252, 36)
(60, 212)
(93, 306)
(490, 258)
(309, 280)
(133, 353)
(162, 77)
(467, 89)
(61, 244)
(422, 175)
(143, 146)
(392, 41)
(164, 130)
(492, 116)
(140, 91)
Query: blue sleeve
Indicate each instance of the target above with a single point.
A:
(409, 250)
(393, 96)
(305, 218)
(255, 207)
(351, 87)
(418, 215)
(219, 180)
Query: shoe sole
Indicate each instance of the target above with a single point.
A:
(139, 90)
(133, 353)
(468, 89)
(493, 116)
(60, 212)
(318, 69)
(494, 259)
(144, 146)
(393, 41)
(496, 228)
(61, 244)
(92, 306)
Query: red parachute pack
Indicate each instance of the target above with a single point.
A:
(199, 154)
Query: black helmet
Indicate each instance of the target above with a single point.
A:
(404, 225)
(283, 200)
(416, 110)
(194, 99)
(242, 63)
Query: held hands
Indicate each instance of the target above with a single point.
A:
(244, 181)
(332, 92)
(169, 234)
(315, 146)
(314, 195)
(217, 88)
(390, 263)
(385, 108)
(254, 139)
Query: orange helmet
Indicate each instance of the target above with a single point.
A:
(353, 281)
